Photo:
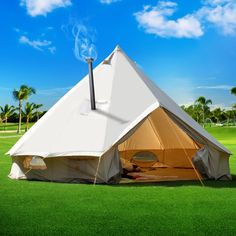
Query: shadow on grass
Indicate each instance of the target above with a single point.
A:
(184, 183)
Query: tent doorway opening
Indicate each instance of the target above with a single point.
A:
(158, 150)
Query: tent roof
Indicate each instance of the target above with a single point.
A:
(124, 97)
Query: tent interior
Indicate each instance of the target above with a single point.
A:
(158, 150)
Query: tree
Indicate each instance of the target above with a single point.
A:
(30, 111)
(193, 111)
(20, 95)
(37, 106)
(216, 115)
(203, 103)
(6, 112)
(234, 113)
(233, 91)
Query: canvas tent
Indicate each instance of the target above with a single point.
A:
(135, 124)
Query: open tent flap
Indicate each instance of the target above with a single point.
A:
(173, 148)
(215, 160)
(212, 164)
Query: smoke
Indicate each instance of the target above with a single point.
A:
(83, 38)
(84, 46)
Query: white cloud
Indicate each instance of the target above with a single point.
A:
(221, 87)
(108, 1)
(16, 30)
(156, 20)
(38, 44)
(20, 31)
(221, 14)
(52, 49)
(216, 2)
(42, 7)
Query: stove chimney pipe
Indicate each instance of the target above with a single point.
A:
(91, 83)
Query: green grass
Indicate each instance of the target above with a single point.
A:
(12, 126)
(179, 208)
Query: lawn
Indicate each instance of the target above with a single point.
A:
(179, 208)
(13, 126)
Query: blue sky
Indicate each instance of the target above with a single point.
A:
(187, 47)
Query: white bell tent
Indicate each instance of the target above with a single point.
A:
(134, 120)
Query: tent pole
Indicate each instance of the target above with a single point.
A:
(95, 177)
(198, 176)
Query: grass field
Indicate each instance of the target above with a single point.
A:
(13, 126)
(179, 208)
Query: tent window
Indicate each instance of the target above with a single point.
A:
(144, 159)
(145, 156)
(34, 162)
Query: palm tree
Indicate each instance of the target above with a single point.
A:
(30, 111)
(36, 107)
(203, 102)
(233, 91)
(6, 112)
(20, 95)
(193, 111)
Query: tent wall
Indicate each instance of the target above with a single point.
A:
(72, 169)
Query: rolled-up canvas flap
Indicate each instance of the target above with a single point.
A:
(17, 169)
(201, 162)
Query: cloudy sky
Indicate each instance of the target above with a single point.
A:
(187, 47)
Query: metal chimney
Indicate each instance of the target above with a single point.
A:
(91, 83)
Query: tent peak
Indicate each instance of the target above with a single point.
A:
(117, 48)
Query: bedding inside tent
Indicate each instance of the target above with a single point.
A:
(158, 150)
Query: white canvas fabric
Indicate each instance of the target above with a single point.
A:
(80, 169)
(71, 128)
(124, 98)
